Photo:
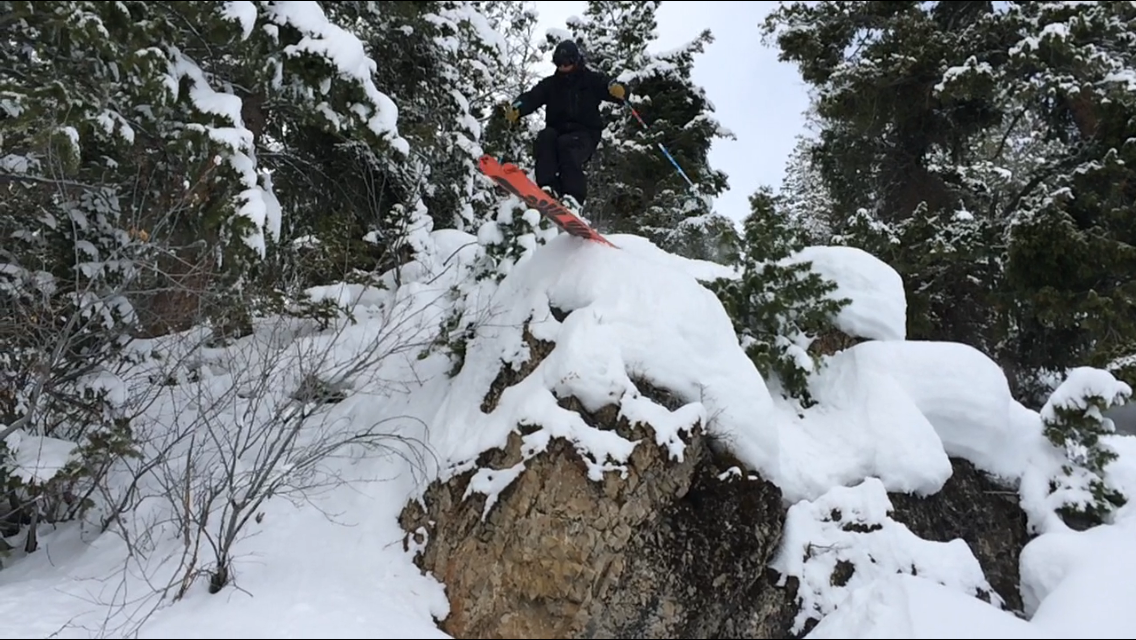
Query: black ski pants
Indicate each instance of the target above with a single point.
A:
(560, 161)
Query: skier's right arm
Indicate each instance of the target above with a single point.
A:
(532, 99)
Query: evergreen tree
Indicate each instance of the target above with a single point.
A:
(135, 137)
(515, 24)
(804, 195)
(143, 106)
(514, 74)
(872, 63)
(1071, 263)
(476, 56)
(1074, 423)
(432, 59)
(494, 52)
(778, 304)
(984, 149)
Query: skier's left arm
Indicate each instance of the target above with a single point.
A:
(611, 90)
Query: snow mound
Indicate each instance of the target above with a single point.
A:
(906, 607)
(632, 313)
(35, 459)
(1079, 583)
(865, 425)
(963, 394)
(878, 310)
(890, 409)
(845, 540)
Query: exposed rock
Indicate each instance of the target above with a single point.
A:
(770, 611)
(675, 549)
(695, 566)
(977, 509)
(833, 341)
(507, 377)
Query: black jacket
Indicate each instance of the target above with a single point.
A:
(571, 100)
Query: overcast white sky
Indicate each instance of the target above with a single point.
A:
(758, 98)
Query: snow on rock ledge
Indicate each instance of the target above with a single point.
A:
(866, 425)
(639, 553)
(846, 539)
(613, 315)
(898, 410)
(878, 310)
(576, 465)
(577, 473)
(963, 394)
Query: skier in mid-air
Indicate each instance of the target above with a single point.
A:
(572, 124)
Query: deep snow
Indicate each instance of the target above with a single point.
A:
(890, 413)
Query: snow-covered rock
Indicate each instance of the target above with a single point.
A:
(846, 540)
(962, 393)
(577, 330)
(878, 307)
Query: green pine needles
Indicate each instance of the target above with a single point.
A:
(778, 305)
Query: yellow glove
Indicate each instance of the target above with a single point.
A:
(511, 113)
(617, 90)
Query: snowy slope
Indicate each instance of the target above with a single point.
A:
(332, 565)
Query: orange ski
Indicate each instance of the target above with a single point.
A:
(511, 178)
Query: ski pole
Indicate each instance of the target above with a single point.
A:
(661, 147)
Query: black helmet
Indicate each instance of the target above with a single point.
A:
(567, 53)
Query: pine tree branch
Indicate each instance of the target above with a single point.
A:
(23, 177)
(1045, 174)
(1009, 130)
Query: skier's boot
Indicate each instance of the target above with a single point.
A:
(575, 207)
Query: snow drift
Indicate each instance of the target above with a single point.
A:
(891, 413)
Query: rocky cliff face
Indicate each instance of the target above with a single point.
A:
(675, 549)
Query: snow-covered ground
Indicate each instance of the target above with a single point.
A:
(323, 556)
